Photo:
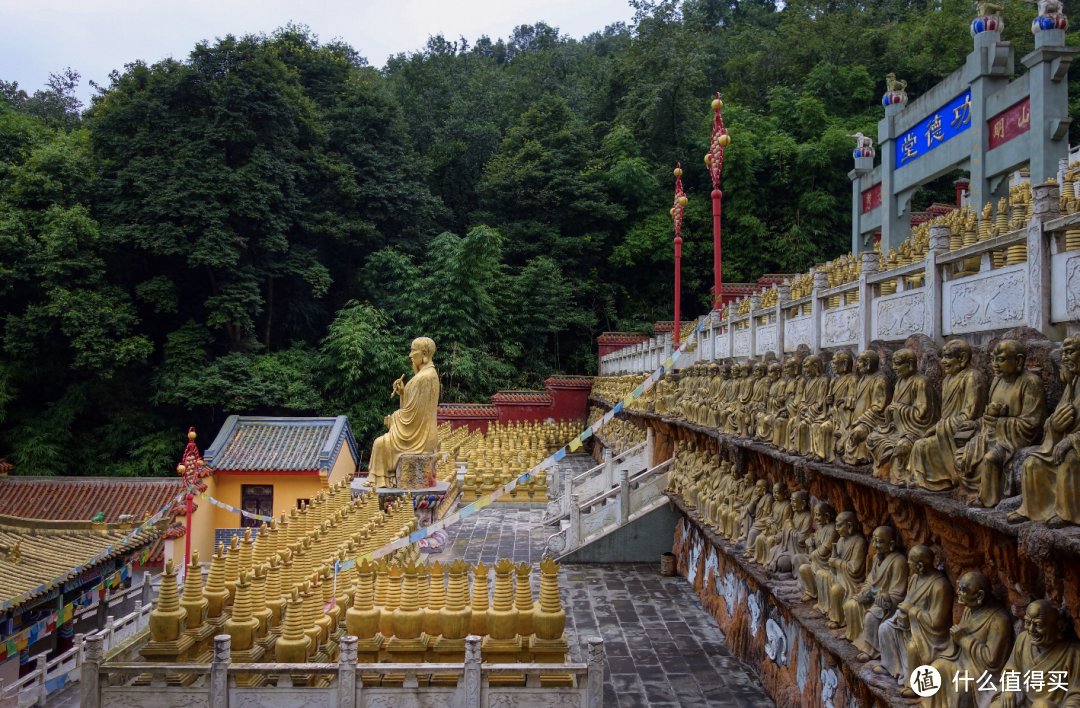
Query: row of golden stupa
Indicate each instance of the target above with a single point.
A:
(508, 451)
(963, 436)
(898, 612)
(276, 595)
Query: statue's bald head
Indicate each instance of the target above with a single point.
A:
(425, 345)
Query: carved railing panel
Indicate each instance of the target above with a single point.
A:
(796, 332)
(987, 301)
(1065, 274)
(898, 316)
(766, 339)
(840, 326)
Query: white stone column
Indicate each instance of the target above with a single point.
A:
(89, 675)
(783, 297)
(817, 307)
(346, 686)
(1047, 206)
(219, 672)
(755, 307)
(866, 299)
(932, 288)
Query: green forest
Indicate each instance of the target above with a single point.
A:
(262, 226)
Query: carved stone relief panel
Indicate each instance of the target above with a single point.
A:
(742, 343)
(987, 301)
(898, 316)
(723, 346)
(766, 339)
(840, 326)
(796, 332)
(1065, 286)
(706, 346)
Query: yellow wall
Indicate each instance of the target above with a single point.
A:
(344, 467)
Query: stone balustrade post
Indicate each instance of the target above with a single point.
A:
(110, 627)
(866, 298)
(933, 289)
(147, 590)
(77, 645)
(41, 665)
(732, 309)
(595, 680)
(667, 345)
(219, 672)
(574, 532)
(624, 496)
(783, 292)
(1046, 206)
(90, 675)
(472, 671)
(817, 306)
(755, 307)
(609, 469)
(140, 621)
(347, 684)
(650, 447)
(568, 489)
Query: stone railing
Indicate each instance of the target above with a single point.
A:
(598, 479)
(109, 685)
(952, 298)
(595, 516)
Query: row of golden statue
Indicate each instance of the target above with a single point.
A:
(965, 437)
(617, 435)
(897, 609)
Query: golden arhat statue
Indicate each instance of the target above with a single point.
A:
(413, 427)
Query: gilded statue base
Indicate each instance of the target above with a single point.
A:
(406, 651)
(414, 472)
(367, 652)
(249, 656)
(446, 651)
(551, 651)
(166, 651)
(502, 651)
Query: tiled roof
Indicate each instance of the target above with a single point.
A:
(560, 381)
(50, 551)
(621, 337)
(249, 443)
(467, 410)
(533, 397)
(82, 498)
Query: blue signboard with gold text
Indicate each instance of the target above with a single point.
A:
(940, 126)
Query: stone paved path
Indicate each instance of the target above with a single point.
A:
(663, 649)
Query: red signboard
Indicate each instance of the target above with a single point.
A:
(871, 198)
(1007, 125)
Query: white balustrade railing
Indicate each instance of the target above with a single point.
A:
(948, 300)
(598, 479)
(594, 516)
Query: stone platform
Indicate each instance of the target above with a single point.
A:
(663, 647)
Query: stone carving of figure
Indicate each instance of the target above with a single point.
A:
(720, 402)
(814, 410)
(919, 631)
(763, 429)
(1051, 476)
(781, 513)
(786, 545)
(963, 398)
(663, 394)
(710, 511)
(731, 405)
(784, 425)
(979, 644)
(912, 411)
(841, 408)
(1016, 411)
(848, 566)
(732, 508)
(758, 399)
(708, 411)
(754, 515)
(413, 427)
(1043, 647)
(878, 597)
(815, 559)
(745, 399)
(871, 397)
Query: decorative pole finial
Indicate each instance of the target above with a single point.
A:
(895, 93)
(1051, 17)
(988, 20)
(677, 216)
(715, 160)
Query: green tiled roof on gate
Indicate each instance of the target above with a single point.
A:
(253, 443)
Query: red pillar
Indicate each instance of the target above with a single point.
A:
(678, 284)
(718, 276)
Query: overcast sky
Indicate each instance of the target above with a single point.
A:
(96, 36)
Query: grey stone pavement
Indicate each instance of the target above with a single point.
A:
(662, 648)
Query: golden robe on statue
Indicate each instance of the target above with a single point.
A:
(413, 427)
(963, 398)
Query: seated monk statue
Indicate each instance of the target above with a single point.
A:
(734, 507)
(847, 565)
(716, 399)
(675, 479)
(1016, 411)
(758, 399)
(786, 545)
(878, 597)
(1050, 481)
(815, 408)
(979, 644)
(706, 484)
(871, 397)
(963, 398)
(663, 391)
(1043, 647)
(754, 513)
(919, 631)
(720, 491)
(840, 403)
(791, 405)
(781, 514)
(763, 427)
(708, 411)
(413, 427)
(912, 411)
(728, 413)
(815, 558)
(746, 399)
(741, 399)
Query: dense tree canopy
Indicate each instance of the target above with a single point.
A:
(262, 226)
